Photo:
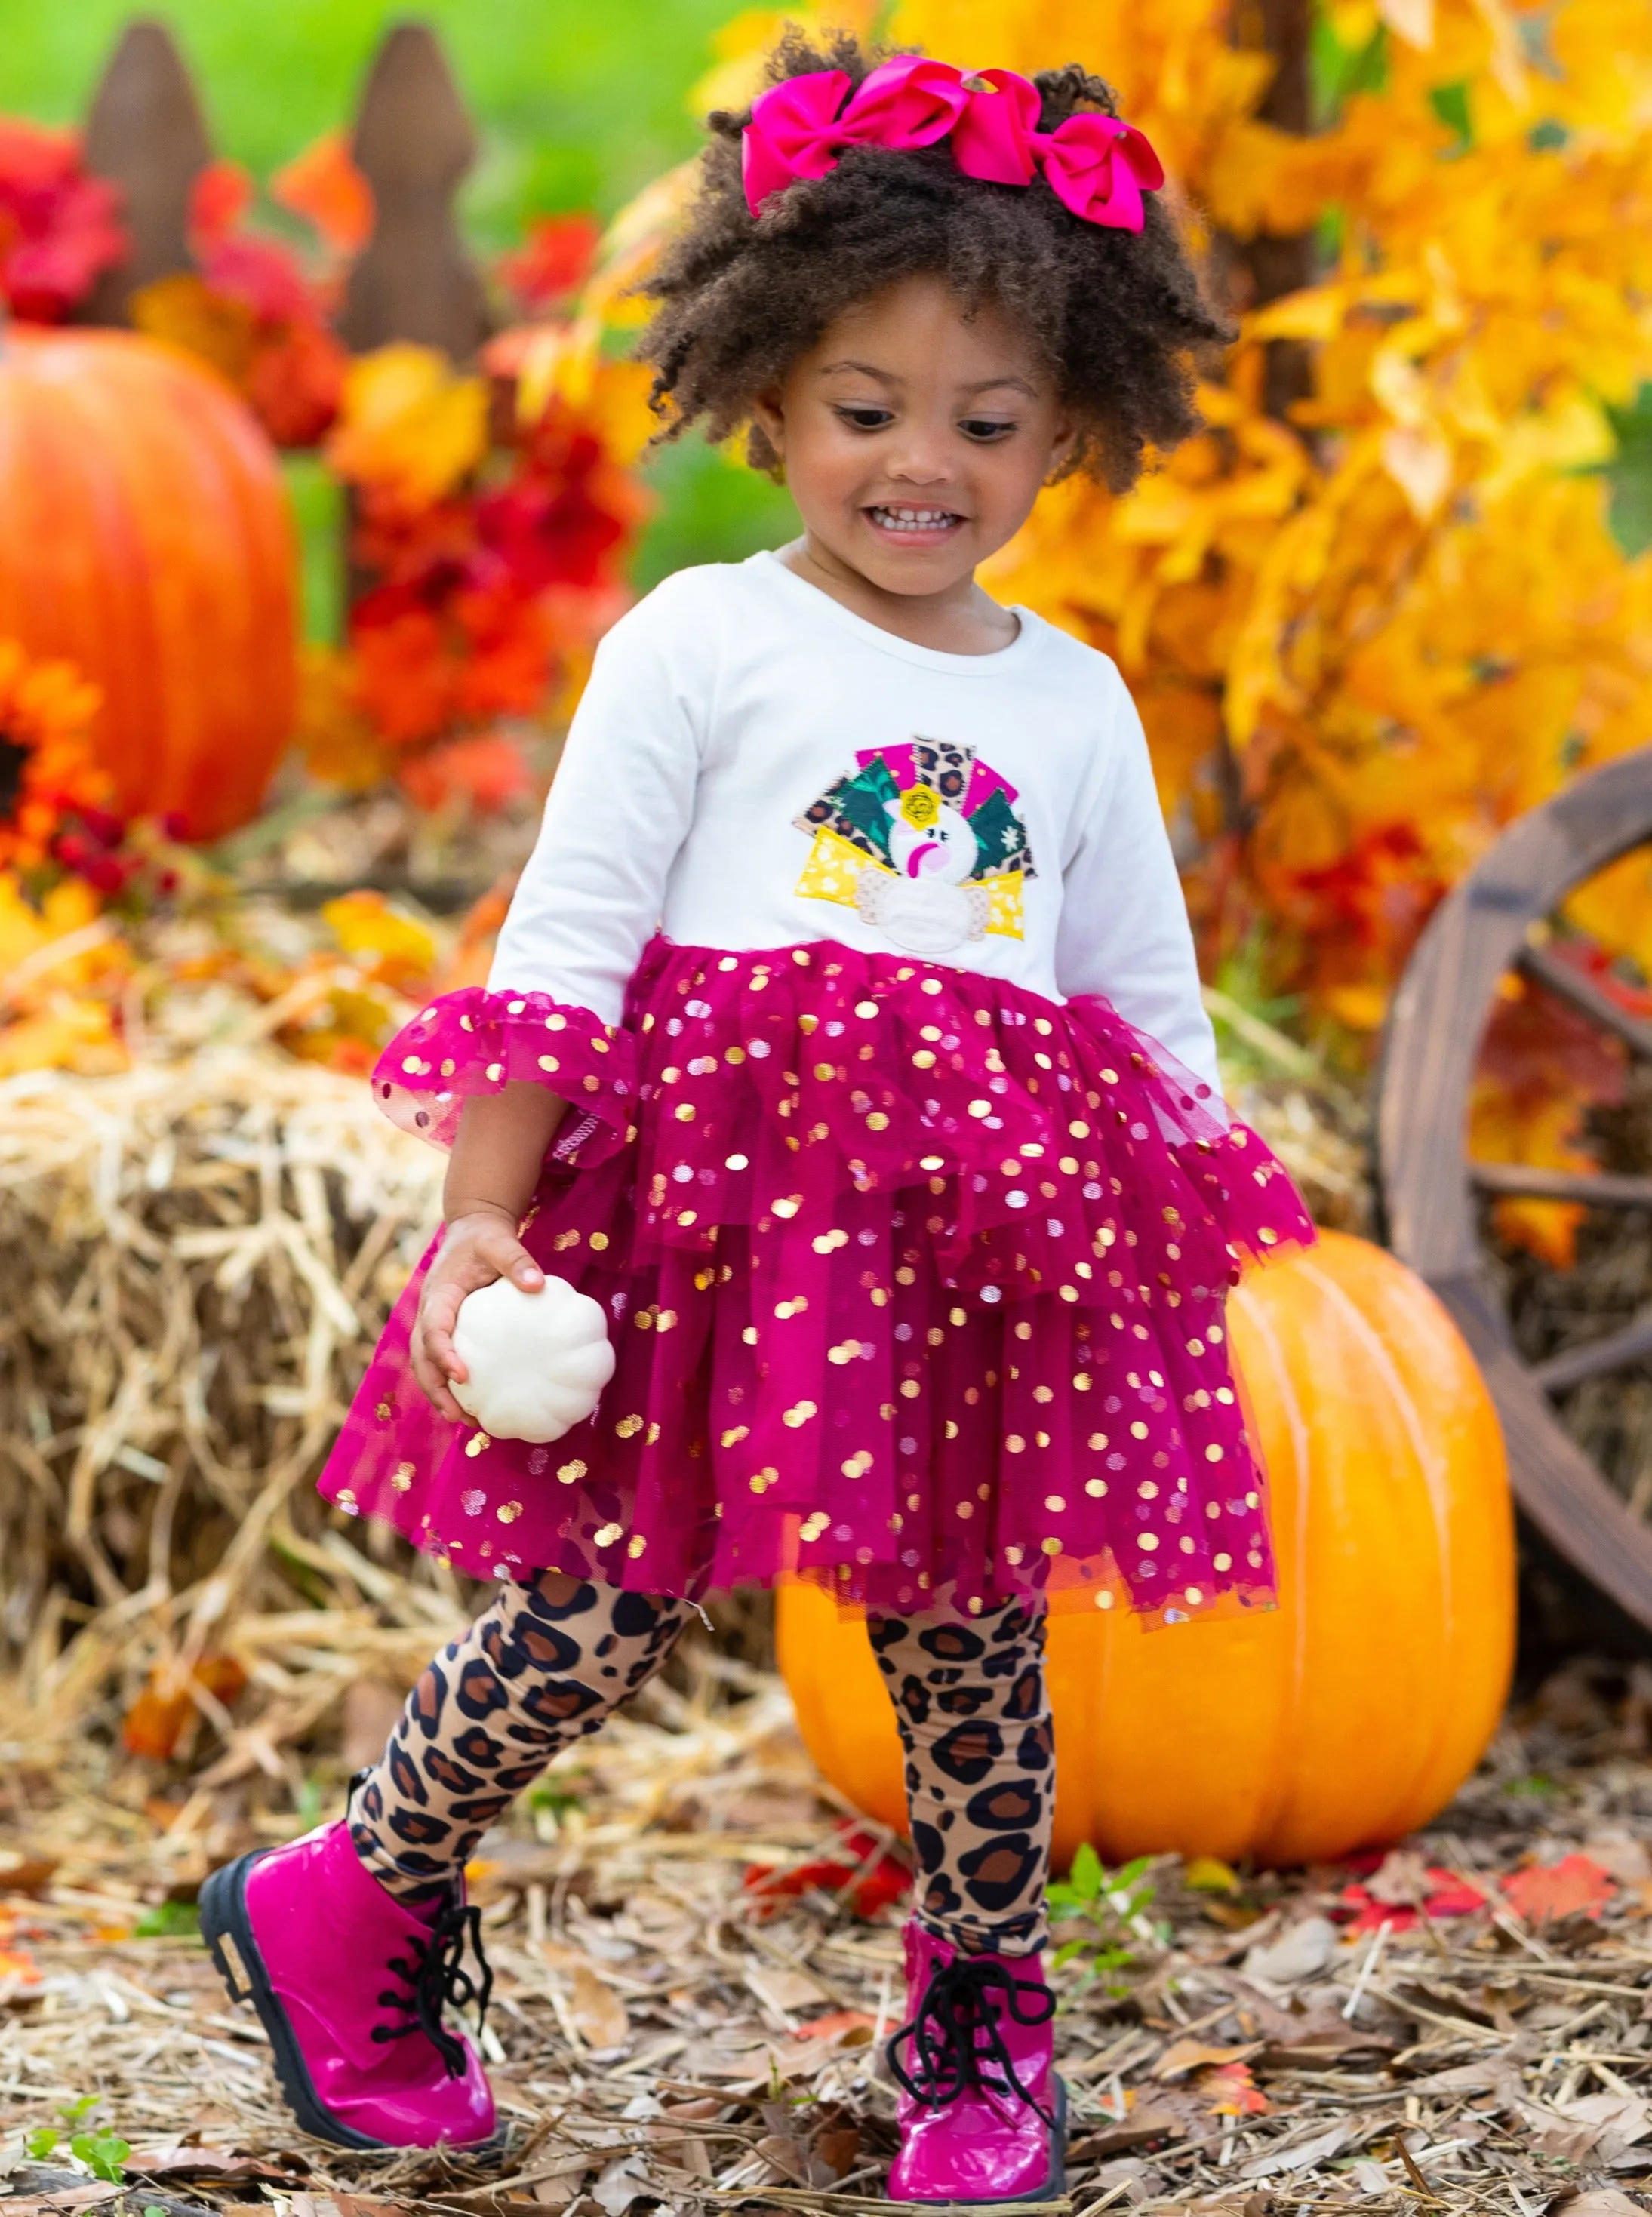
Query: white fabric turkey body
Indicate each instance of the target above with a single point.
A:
(538, 1362)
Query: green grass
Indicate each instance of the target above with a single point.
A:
(711, 510)
(318, 501)
(577, 105)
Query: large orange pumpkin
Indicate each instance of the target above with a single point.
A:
(145, 536)
(1343, 1718)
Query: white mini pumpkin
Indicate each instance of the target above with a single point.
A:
(538, 1362)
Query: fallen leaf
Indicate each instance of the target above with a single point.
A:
(838, 2148)
(1441, 1893)
(1620, 1855)
(1545, 1891)
(1184, 2055)
(1209, 1875)
(1401, 1876)
(623, 2182)
(1235, 1916)
(1571, 2139)
(1618, 2120)
(66, 2199)
(155, 1723)
(1460, 2078)
(784, 2153)
(1231, 2091)
(1321, 2047)
(1123, 2184)
(174, 2162)
(784, 1991)
(1597, 2202)
(690, 2155)
(1297, 1953)
(868, 1875)
(1418, 457)
(1302, 2157)
(597, 2013)
(847, 2028)
(1134, 2132)
(23, 1873)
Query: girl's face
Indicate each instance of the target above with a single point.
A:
(915, 440)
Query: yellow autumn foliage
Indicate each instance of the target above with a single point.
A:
(1365, 638)
(62, 965)
(408, 424)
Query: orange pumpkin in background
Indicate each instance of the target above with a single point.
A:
(1343, 1718)
(144, 537)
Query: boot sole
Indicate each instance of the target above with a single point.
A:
(227, 1929)
(1054, 2187)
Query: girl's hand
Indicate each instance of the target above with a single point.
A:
(476, 1248)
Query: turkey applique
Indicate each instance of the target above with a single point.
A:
(925, 841)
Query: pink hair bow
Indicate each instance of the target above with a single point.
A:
(1094, 164)
(797, 130)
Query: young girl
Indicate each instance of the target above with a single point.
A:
(844, 1042)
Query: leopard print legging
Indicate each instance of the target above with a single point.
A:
(547, 1663)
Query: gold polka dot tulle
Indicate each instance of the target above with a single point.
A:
(915, 1280)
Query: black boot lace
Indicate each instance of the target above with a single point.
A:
(956, 2040)
(436, 1975)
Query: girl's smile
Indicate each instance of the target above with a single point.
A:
(927, 527)
(916, 435)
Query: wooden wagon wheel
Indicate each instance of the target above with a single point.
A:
(1489, 925)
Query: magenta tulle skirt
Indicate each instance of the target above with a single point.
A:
(916, 1282)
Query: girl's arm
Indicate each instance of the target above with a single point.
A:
(1124, 931)
(588, 899)
(495, 1166)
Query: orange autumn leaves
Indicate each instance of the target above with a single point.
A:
(252, 307)
(490, 542)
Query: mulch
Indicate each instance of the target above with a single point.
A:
(695, 1952)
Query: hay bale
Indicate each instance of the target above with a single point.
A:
(195, 1260)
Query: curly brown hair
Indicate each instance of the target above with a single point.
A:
(1117, 315)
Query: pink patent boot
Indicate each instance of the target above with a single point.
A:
(349, 1984)
(983, 2115)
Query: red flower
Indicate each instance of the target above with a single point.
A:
(556, 529)
(555, 260)
(405, 677)
(294, 381)
(512, 649)
(60, 228)
(261, 273)
(486, 771)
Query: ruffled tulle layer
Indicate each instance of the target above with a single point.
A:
(917, 1283)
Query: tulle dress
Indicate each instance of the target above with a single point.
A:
(915, 1275)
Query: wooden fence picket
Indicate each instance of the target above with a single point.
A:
(145, 134)
(413, 143)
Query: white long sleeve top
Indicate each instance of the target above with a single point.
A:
(753, 765)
